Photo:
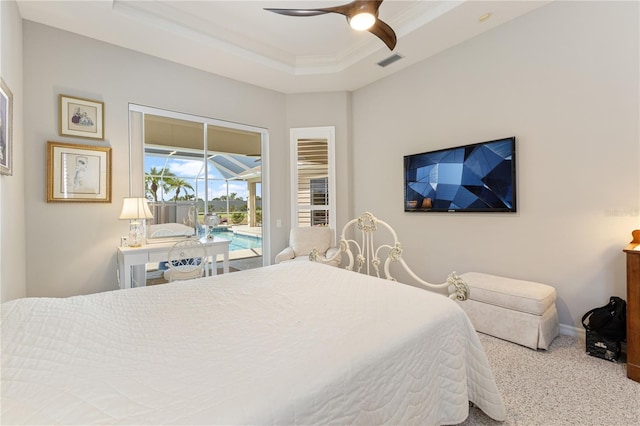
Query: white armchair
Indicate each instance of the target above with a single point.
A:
(304, 239)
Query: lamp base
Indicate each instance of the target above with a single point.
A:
(136, 233)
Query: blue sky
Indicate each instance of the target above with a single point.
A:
(189, 169)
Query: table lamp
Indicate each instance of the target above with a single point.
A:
(137, 211)
(211, 221)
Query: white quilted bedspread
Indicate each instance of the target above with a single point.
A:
(295, 343)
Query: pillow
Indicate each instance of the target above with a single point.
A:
(170, 230)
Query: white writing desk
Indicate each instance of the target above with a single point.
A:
(129, 257)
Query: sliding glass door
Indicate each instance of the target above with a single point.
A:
(211, 166)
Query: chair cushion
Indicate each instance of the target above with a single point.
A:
(178, 275)
(524, 296)
(304, 239)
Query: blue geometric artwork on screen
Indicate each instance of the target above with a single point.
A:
(475, 177)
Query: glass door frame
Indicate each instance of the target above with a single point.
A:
(136, 157)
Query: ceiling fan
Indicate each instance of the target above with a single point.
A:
(362, 15)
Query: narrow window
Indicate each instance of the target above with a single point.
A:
(313, 177)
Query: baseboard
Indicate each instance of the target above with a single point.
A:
(569, 330)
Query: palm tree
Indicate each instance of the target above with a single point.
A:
(232, 197)
(157, 179)
(178, 184)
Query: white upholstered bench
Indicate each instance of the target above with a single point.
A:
(522, 312)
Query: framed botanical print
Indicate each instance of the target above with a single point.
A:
(78, 173)
(82, 118)
(6, 129)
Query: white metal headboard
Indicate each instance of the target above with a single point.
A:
(367, 256)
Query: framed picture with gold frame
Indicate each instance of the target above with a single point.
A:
(81, 118)
(78, 173)
(6, 129)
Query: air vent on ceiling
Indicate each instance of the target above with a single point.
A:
(391, 59)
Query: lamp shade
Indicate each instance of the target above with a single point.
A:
(135, 208)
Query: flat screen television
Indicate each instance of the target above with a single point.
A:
(479, 177)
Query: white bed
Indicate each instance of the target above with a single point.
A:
(294, 343)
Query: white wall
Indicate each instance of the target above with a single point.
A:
(72, 247)
(328, 109)
(12, 200)
(564, 81)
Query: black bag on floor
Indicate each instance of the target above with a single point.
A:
(600, 347)
(609, 321)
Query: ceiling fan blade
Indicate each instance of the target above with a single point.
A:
(351, 9)
(348, 9)
(384, 33)
(379, 28)
(298, 12)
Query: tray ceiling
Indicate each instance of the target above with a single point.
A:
(240, 40)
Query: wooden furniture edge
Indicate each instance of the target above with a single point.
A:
(633, 307)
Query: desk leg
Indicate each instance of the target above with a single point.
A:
(212, 265)
(139, 274)
(225, 262)
(130, 274)
(125, 275)
(122, 275)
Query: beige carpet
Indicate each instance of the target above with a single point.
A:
(561, 386)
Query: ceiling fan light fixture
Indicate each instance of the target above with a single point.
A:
(362, 15)
(362, 21)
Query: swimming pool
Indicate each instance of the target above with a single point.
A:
(239, 241)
